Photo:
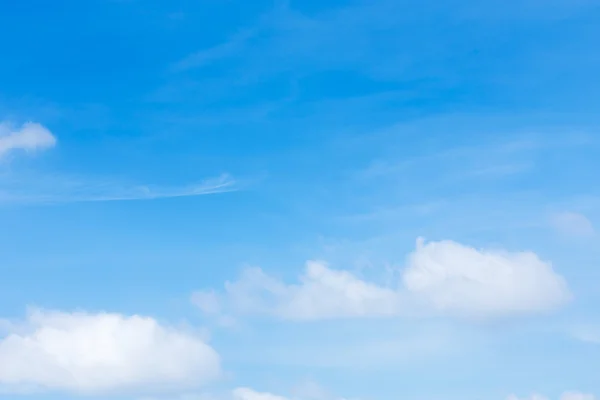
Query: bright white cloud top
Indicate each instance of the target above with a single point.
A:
(452, 278)
(101, 353)
(440, 278)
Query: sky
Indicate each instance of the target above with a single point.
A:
(299, 200)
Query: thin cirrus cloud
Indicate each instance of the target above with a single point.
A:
(59, 189)
(440, 278)
(84, 353)
(29, 137)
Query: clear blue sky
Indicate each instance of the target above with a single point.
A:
(303, 200)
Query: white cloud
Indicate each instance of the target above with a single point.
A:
(245, 393)
(31, 136)
(532, 397)
(577, 396)
(310, 391)
(321, 293)
(453, 278)
(441, 277)
(564, 396)
(250, 394)
(573, 224)
(98, 353)
(241, 393)
(57, 188)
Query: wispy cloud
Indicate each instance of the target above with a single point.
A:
(56, 189)
(587, 333)
(204, 57)
(285, 39)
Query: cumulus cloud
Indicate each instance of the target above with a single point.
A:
(573, 224)
(321, 293)
(99, 353)
(450, 277)
(30, 136)
(440, 277)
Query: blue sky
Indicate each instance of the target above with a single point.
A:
(300, 200)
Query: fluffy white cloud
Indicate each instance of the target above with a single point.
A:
(453, 278)
(31, 136)
(573, 224)
(321, 293)
(442, 277)
(98, 353)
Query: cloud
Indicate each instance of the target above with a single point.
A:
(587, 333)
(577, 396)
(532, 397)
(250, 394)
(54, 189)
(227, 49)
(321, 294)
(309, 391)
(314, 392)
(208, 302)
(453, 278)
(287, 43)
(564, 396)
(31, 136)
(343, 36)
(97, 353)
(48, 188)
(443, 277)
(573, 224)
